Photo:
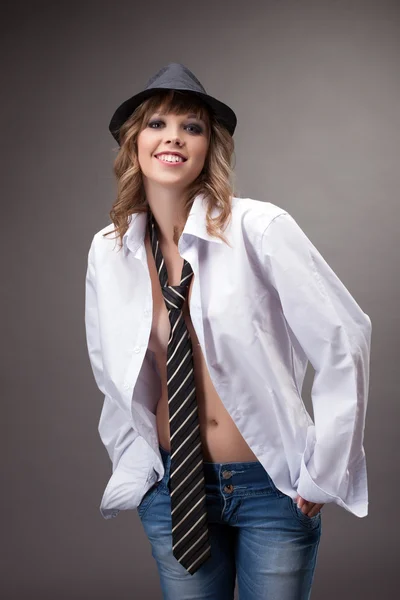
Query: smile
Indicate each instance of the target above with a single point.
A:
(171, 161)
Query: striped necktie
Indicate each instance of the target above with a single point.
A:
(190, 535)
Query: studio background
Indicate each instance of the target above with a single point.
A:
(316, 88)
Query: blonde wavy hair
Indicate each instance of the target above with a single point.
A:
(216, 181)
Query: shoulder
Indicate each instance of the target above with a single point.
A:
(253, 215)
(99, 238)
(103, 242)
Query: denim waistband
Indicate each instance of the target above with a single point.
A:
(249, 473)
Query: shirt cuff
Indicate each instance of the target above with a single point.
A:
(353, 496)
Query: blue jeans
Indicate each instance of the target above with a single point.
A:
(257, 534)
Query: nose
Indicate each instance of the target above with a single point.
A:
(172, 136)
(175, 140)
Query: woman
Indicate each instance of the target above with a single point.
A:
(200, 323)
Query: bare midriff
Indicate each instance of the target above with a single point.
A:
(221, 439)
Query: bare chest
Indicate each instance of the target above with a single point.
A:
(221, 439)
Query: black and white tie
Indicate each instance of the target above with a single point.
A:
(190, 535)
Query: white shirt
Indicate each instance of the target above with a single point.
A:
(261, 309)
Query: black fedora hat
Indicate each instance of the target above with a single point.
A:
(174, 76)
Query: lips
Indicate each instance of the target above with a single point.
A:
(167, 163)
(172, 154)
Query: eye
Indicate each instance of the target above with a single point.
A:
(196, 128)
(154, 123)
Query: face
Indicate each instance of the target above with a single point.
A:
(164, 133)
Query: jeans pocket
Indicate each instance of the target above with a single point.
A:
(148, 498)
(309, 522)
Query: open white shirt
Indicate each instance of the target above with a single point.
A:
(261, 309)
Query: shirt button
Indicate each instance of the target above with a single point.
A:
(126, 385)
(146, 311)
(136, 349)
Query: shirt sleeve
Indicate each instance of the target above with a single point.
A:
(335, 335)
(92, 323)
(116, 431)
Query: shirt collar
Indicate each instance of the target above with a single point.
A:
(195, 225)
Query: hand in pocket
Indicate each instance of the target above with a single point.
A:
(308, 508)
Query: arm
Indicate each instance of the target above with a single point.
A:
(123, 443)
(335, 335)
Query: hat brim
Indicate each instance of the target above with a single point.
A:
(222, 112)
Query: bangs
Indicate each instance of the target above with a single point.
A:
(180, 103)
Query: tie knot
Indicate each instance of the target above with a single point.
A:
(175, 296)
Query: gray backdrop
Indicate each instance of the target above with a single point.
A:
(316, 89)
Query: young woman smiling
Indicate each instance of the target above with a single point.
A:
(199, 327)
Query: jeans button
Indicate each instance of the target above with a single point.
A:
(226, 474)
(228, 488)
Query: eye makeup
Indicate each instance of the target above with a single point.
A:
(197, 128)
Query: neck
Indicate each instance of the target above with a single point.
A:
(167, 206)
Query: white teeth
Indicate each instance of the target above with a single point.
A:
(170, 158)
